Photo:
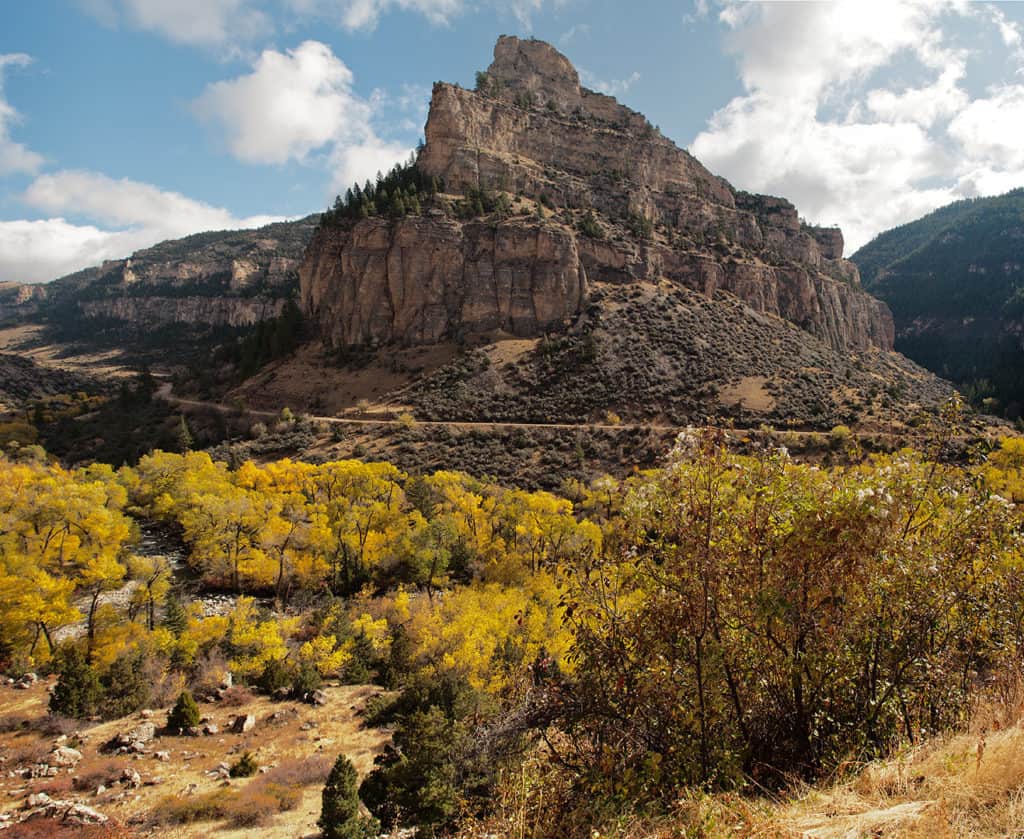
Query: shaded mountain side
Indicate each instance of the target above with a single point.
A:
(22, 382)
(955, 283)
(173, 300)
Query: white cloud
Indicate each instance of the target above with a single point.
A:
(615, 87)
(991, 129)
(291, 105)
(300, 105)
(14, 156)
(207, 23)
(365, 14)
(823, 122)
(235, 23)
(573, 32)
(37, 251)
(128, 215)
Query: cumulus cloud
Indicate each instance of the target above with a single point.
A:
(215, 23)
(300, 105)
(822, 120)
(14, 156)
(207, 23)
(126, 215)
(615, 87)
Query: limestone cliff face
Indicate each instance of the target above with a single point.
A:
(423, 279)
(531, 131)
(204, 311)
(225, 278)
(19, 301)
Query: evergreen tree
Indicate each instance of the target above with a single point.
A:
(78, 690)
(185, 713)
(126, 685)
(339, 816)
(184, 436)
(175, 617)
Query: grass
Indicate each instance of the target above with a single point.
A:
(252, 805)
(964, 785)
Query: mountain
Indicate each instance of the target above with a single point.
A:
(955, 283)
(173, 292)
(581, 263)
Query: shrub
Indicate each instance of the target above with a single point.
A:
(255, 804)
(245, 767)
(78, 690)
(306, 680)
(840, 436)
(106, 774)
(127, 685)
(296, 772)
(339, 815)
(820, 593)
(174, 809)
(236, 696)
(276, 675)
(185, 713)
(589, 226)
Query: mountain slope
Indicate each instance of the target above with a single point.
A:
(582, 263)
(176, 293)
(955, 283)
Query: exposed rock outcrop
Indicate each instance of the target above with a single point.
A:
(225, 278)
(208, 311)
(532, 132)
(421, 280)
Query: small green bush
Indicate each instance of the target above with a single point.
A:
(245, 767)
(185, 713)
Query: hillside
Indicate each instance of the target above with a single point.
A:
(166, 302)
(572, 262)
(954, 281)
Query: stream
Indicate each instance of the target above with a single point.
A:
(157, 540)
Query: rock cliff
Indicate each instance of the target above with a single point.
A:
(593, 194)
(222, 278)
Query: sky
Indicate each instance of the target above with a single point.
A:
(127, 122)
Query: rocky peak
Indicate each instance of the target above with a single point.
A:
(535, 68)
(623, 205)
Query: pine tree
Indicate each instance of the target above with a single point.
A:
(185, 713)
(184, 436)
(78, 689)
(175, 617)
(339, 816)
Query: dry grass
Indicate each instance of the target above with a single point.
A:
(300, 746)
(966, 785)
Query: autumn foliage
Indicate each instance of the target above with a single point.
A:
(729, 621)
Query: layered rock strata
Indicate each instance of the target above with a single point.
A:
(532, 132)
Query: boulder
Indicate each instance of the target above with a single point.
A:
(64, 756)
(243, 724)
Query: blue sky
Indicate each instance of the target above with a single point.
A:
(124, 122)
